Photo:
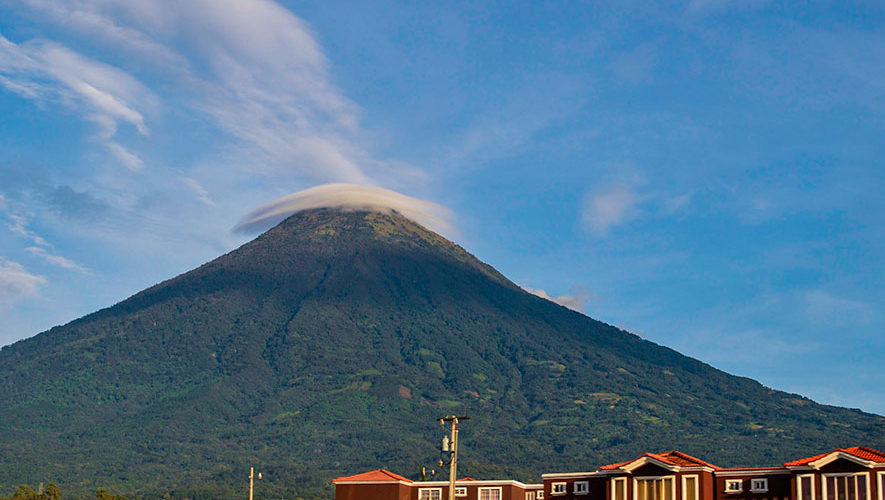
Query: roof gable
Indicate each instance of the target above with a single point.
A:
(374, 476)
(857, 454)
(670, 460)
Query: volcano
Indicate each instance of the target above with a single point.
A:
(330, 345)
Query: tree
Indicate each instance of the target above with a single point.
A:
(52, 492)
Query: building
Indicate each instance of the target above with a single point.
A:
(385, 485)
(856, 473)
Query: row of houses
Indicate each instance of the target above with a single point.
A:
(856, 473)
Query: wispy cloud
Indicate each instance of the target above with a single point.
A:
(126, 157)
(16, 282)
(610, 207)
(18, 224)
(198, 190)
(57, 260)
(254, 68)
(625, 195)
(52, 74)
(575, 300)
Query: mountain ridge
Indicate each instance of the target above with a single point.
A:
(330, 344)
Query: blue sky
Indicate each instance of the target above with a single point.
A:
(705, 173)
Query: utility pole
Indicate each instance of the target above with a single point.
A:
(451, 447)
(251, 480)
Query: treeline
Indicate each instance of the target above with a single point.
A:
(52, 492)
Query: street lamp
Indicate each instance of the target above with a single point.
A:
(449, 452)
(251, 480)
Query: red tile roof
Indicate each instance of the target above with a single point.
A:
(748, 469)
(615, 466)
(861, 452)
(375, 475)
(673, 457)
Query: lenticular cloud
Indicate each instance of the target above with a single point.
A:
(347, 196)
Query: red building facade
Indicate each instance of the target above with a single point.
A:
(384, 485)
(856, 473)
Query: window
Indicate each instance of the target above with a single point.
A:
(805, 487)
(689, 488)
(845, 486)
(881, 485)
(460, 491)
(619, 488)
(430, 494)
(759, 485)
(734, 485)
(539, 495)
(529, 495)
(490, 494)
(557, 489)
(654, 488)
(582, 487)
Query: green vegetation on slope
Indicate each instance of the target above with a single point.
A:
(329, 346)
(52, 492)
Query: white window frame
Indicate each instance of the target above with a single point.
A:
(824, 477)
(697, 486)
(759, 485)
(654, 478)
(584, 485)
(555, 486)
(529, 495)
(539, 495)
(499, 489)
(614, 486)
(729, 489)
(429, 491)
(799, 478)
(460, 491)
(881, 476)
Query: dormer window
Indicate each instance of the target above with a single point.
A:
(734, 485)
(759, 485)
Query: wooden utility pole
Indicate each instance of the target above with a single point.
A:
(452, 448)
(251, 480)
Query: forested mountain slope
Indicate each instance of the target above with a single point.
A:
(330, 344)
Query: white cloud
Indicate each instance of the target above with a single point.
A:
(610, 207)
(16, 282)
(57, 260)
(625, 195)
(254, 67)
(197, 189)
(86, 17)
(18, 225)
(126, 157)
(351, 196)
(50, 73)
(576, 301)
